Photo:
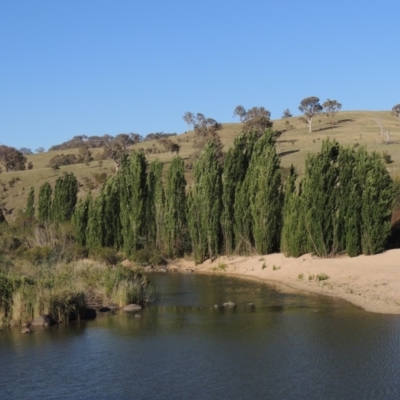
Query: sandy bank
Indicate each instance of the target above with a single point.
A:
(370, 282)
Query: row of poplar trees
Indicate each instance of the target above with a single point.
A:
(238, 206)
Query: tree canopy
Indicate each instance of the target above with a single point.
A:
(310, 107)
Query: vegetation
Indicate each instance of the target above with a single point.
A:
(150, 210)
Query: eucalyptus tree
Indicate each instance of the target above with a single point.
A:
(310, 107)
(331, 108)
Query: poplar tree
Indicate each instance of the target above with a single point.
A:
(265, 194)
(320, 198)
(155, 204)
(95, 223)
(293, 237)
(204, 205)
(376, 200)
(111, 214)
(80, 219)
(65, 198)
(132, 191)
(30, 205)
(235, 167)
(44, 202)
(175, 221)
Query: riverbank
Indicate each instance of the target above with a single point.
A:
(370, 282)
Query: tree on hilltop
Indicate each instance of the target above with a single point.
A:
(256, 119)
(396, 111)
(12, 159)
(310, 107)
(331, 108)
(286, 114)
(189, 118)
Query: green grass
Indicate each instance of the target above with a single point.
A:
(353, 128)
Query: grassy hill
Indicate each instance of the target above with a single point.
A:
(352, 128)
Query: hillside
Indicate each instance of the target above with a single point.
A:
(353, 128)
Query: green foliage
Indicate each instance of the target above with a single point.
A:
(95, 223)
(235, 167)
(80, 220)
(175, 221)
(204, 205)
(65, 198)
(132, 192)
(264, 182)
(320, 198)
(44, 203)
(293, 236)
(105, 255)
(155, 205)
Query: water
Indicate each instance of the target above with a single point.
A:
(287, 346)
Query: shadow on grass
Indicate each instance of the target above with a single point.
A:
(286, 153)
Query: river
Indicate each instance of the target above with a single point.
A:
(284, 346)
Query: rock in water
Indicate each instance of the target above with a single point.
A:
(132, 307)
(229, 304)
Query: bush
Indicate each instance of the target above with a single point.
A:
(106, 255)
(39, 255)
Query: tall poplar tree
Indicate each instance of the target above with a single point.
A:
(265, 194)
(204, 205)
(132, 190)
(155, 205)
(376, 200)
(95, 223)
(111, 214)
(320, 198)
(80, 219)
(65, 198)
(175, 221)
(235, 167)
(293, 236)
(44, 202)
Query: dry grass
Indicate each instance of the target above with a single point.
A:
(352, 128)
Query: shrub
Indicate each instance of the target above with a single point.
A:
(39, 255)
(106, 255)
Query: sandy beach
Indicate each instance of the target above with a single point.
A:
(370, 282)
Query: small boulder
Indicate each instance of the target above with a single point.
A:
(132, 308)
(229, 304)
(26, 330)
(138, 316)
(216, 306)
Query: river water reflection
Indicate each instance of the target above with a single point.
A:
(285, 346)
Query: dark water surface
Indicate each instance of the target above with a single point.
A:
(288, 346)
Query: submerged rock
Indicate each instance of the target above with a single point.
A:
(132, 307)
(26, 330)
(138, 316)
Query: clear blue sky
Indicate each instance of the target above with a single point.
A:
(73, 67)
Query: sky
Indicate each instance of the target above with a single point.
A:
(95, 67)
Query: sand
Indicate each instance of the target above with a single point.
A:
(370, 282)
